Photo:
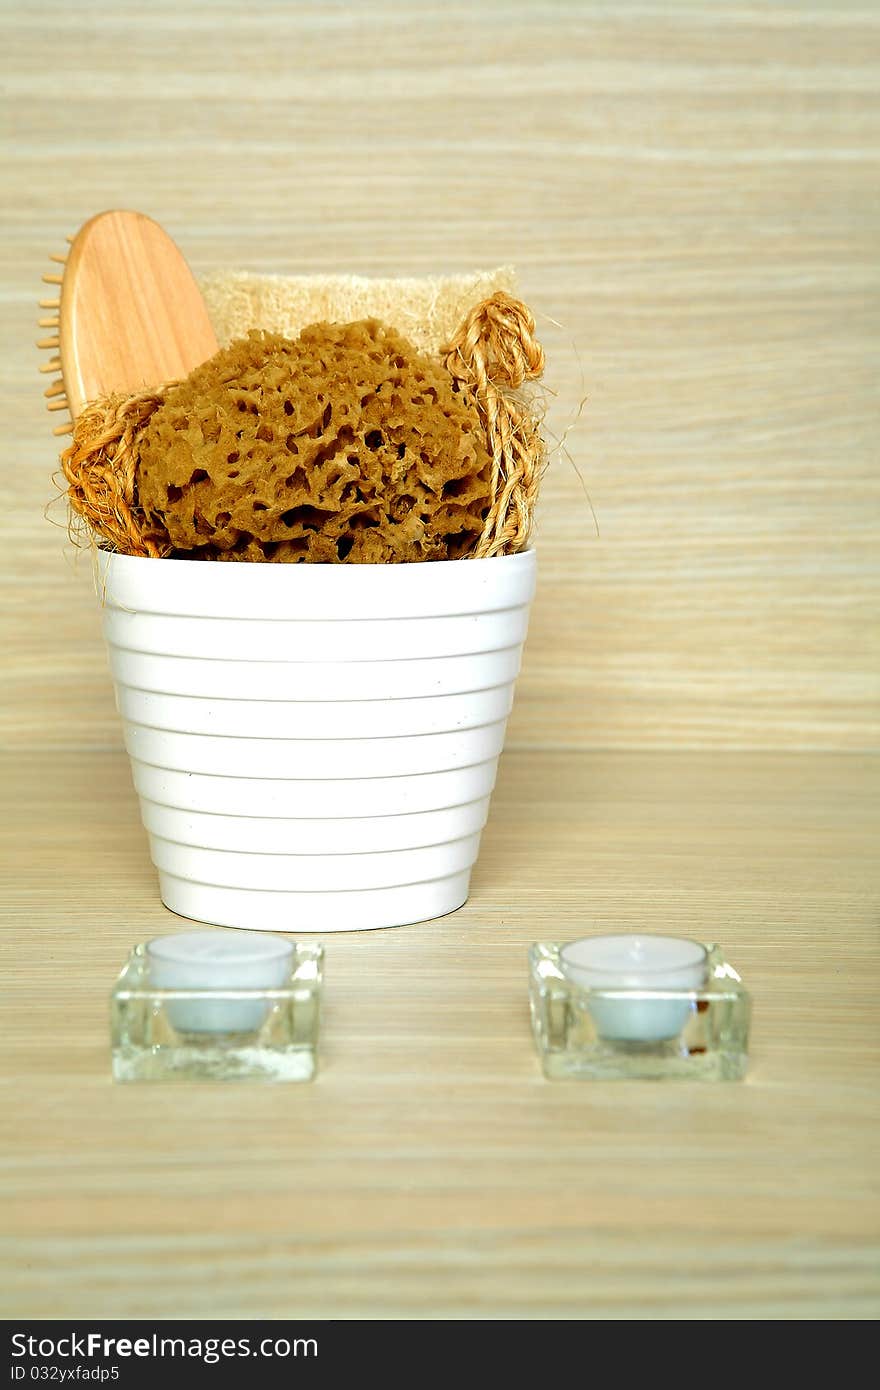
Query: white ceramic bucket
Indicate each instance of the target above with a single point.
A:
(314, 746)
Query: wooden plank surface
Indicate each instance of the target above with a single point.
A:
(430, 1170)
(689, 190)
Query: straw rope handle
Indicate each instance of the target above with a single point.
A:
(100, 466)
(494, 353)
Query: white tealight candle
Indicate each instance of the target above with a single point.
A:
(638, 963)
(218, 960)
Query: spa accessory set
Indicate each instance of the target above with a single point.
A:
(310, 503)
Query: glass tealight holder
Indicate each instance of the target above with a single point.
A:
(217, 1034)
(591, 1033)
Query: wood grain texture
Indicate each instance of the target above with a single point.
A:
(689, 192)
(132, 315)
(688, 189)
(430, 1170)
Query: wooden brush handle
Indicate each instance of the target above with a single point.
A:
(131, 313)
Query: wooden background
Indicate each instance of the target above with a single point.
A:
(690, 194)
(690, 190)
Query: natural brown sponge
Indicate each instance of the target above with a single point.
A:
(345, 444)
(430, 504)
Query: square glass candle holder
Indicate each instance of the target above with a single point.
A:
(217, 1034)
(584, 1033)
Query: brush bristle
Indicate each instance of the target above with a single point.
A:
(55, 393)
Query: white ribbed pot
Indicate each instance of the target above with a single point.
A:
(314, 746)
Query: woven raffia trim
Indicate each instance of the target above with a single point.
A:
(494, 352)
(100, 467)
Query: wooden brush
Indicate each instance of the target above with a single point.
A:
(128, 314)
